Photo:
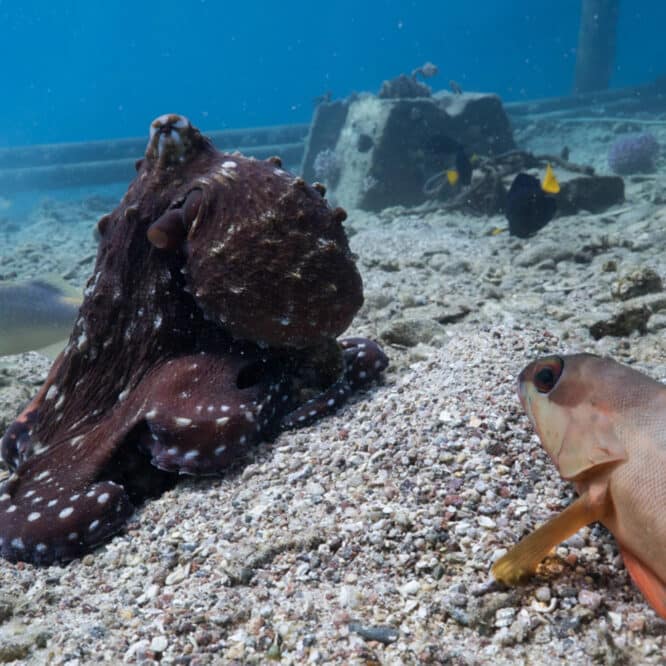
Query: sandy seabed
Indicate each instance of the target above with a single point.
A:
(368, 537)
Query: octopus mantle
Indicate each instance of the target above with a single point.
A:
(209, 324)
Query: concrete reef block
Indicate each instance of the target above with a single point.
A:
(638, 281)
(622, 323)
(591, 193)
(387, 148)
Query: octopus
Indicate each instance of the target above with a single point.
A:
(210, 323)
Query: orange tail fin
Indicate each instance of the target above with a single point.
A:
(653, 588)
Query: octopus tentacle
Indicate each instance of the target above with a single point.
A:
(364, 361)
(48, 514)
(206, 409)
(18, 443)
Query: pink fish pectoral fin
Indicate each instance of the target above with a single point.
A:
(599, 446)
(522, 560)
(652, 587)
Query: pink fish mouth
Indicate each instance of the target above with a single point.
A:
(521, 389)
(523, 385)
(529, 397)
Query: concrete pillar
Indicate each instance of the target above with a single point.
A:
(596, 44)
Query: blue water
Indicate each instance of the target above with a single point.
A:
(83, 70)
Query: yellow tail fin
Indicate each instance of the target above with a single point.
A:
(549, 183)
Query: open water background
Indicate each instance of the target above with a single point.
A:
(80, 70)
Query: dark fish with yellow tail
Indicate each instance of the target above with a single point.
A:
(530, 204)
(462, 171)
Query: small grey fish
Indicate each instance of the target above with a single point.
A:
(36, 314)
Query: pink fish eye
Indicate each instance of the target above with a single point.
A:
(546, 373)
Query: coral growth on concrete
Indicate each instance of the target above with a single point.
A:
(327, 167)
(404, 87)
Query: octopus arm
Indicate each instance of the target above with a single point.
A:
(364, 361)
(48, 512)
(206, 410)
(17, 444)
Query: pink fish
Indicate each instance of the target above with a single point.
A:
(604, 426)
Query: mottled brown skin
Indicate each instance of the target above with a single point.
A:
(275, 266)
(257, 292)
(220, 286)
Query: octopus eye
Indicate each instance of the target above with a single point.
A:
(547, 373)
(170, 139)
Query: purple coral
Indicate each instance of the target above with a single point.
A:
(634, 153)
